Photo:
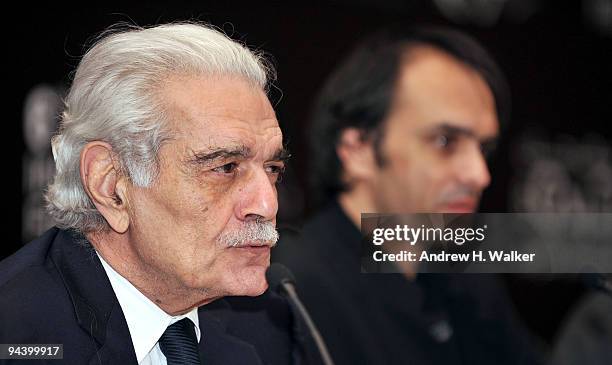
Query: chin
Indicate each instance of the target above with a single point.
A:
(249, 281)
(258, 290)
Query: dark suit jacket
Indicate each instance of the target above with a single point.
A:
(55, 291)
(387, 319)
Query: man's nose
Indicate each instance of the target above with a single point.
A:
(473, 170)
(257, 197)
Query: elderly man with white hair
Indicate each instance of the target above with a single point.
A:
(165, 202)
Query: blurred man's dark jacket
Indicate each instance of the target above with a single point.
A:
(387, 319)
(587, 336)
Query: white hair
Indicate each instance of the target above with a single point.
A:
(113, 99)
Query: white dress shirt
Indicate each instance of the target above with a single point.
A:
(145, 320)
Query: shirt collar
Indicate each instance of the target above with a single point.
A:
(146, 321)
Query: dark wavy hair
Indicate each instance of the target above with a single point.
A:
(358, 95)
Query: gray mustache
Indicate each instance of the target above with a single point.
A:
(252, 233)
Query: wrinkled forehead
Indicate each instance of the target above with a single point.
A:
(215, 110)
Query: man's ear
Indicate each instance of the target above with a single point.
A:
(105, 185)
(356, 155)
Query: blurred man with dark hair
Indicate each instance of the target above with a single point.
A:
(404, 125)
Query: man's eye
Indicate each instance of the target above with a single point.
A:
(228, 168)
(444, 141)
(274, 169)
(276, 172)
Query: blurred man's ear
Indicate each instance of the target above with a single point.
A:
(105, 185)
(357, 156)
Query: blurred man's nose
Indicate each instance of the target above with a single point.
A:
(258, 198)
(472, 169)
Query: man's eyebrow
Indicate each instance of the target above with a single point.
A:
(282, 154)
(204, 157)
(455, 130)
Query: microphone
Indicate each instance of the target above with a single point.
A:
(282, 281)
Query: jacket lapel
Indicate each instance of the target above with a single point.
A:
(118, 348)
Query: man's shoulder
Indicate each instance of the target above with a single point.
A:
(325, 223)
(328, 242)
(34, 304)
(27, 263)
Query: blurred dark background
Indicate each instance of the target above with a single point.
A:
(557, 56)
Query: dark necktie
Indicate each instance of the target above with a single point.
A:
(180, 344)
